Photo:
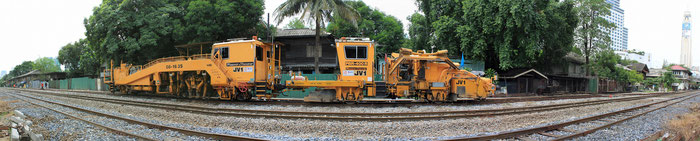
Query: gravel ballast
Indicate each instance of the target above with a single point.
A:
(643, 126)
(344, 108)
(285, 129)
(304, 129)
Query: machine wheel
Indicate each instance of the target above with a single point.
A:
(112, 89)
(452, 97)
(243, 96)
(321, 96)
(181, 91)
(129, 91)
(122, 90)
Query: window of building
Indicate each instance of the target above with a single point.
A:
(355, 52)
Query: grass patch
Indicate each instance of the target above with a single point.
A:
(686, 126)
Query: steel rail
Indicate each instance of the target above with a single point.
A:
(368, 101)
(559, 126)
(117, 131)
(348, 116)
(216, 136)
(579, 134)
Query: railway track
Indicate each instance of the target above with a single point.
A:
(117, 131)
(343, 115)
(215, 136)
(561, 131)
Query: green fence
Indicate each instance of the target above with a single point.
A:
(593, 85)
(83, 83)
(55, 84)
(64, 84)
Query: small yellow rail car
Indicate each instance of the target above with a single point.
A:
(237, 69)
(430, 77)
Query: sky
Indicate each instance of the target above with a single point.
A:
(655, 27)
(30, 29)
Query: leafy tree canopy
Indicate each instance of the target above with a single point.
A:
(295, 23)
(607, 65)
(137, 31)
(46, 65)
(591, 34)
(69, 55)
(418, 33)
(386, 30)
(504, 33)
(20, 69)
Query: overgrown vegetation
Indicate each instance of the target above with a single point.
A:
(137, 31)
(384, 29)
(686, 126)
(295, 24)
(609, 65)
(503, 33)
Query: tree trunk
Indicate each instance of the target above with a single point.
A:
(317, 47)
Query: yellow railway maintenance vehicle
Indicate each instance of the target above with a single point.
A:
(432, 77)
(426, 76)
(236, 69)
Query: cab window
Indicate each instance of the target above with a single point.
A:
(224, 52)
(259, 53)
(214, 53)
(355, 52)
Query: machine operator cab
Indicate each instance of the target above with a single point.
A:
(249, 63)
(355, 58)
(356, 62)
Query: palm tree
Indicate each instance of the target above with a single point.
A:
(319, 11)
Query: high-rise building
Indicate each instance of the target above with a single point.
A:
(618, 35)
(686, 43)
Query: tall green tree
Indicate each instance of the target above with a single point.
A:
(207, 20)
(79, 59)
(384, 29)
(508, 34)
(137, 31)
(667, 79)
(295, 24)
(592, 33)
(442, 17)
(607, 64)
(318, 11)
(25, 67)
(418, 32)
(69, 55)
(18, 70)
(46, 65)
(133, 31)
